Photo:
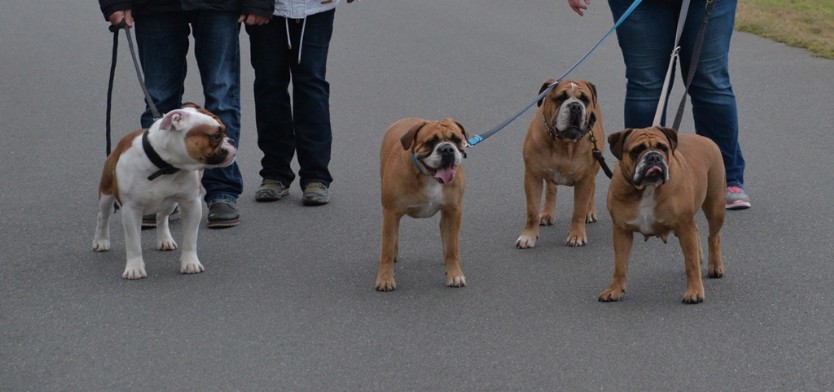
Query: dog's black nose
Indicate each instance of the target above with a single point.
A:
(446, 148)
(654, 157)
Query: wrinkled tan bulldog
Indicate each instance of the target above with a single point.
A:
(558, 150)
(421, 174)
(660, 182)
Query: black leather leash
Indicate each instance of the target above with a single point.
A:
(115, 29)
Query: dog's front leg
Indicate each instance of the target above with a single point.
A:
(388, 254)
(533, 192)
(132, 222)
(690, 242)
(583, 197)
(192, 212)
(450, 222)
(623, 240)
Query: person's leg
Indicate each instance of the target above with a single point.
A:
(162, 42)
(646, 39)
(270, 56)
(311, 98)
(713, 101)
(216, 47)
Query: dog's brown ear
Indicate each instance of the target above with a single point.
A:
(409, 137)
(616, 141)
(544, 87)
(672, 136)
(462, 129)
(593, 91)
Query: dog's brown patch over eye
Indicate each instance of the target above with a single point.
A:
(203, 140)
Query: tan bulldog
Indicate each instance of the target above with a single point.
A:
(558, 150)
(660, 182)
(421, 174)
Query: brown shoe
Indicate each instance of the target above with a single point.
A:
(315, 194)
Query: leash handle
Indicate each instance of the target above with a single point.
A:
(479, 138)
(116, 27)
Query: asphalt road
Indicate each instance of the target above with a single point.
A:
(286, 301)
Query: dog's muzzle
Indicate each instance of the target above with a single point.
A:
(570, 121)
(443, 162)
(652, 169)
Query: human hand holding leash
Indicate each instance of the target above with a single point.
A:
(120, 17)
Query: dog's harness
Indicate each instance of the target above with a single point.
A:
(164, 167)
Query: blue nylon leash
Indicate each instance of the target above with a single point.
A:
(479, 138)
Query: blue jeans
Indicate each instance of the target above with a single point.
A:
(163, 45)
(647, 39)
(303, 124)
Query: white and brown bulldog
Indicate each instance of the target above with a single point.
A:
(660, 182)
(153, 170)
(421, 173)
(558, 150)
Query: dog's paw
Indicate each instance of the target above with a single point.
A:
(101, 245)
(715, 271)
(525, 241)
(132, 273)
(191, 267)
(166, 244)
(546, 219)
(456, 281)
(576, 240)
(591, 217)
(611, 294)
(385, 285)
(693, 297)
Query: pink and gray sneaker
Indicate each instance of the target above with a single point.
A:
(737, 199)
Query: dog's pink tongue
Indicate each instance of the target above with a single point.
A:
(445, 175)
(653, 170)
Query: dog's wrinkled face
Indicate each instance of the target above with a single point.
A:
(644, 154)
(438, 146)
(569, 108)
(203, 135)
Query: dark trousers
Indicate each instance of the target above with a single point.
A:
(302, 124)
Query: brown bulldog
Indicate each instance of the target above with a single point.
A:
(421, 175)
(660, 182)
(558, 149)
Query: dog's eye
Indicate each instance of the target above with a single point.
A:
(432, 142)
(663, 147)
(584, 98)
(636, 151)
(455, 139)
(216, 138)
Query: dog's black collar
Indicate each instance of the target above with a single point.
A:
(554, 133)
(164, 167)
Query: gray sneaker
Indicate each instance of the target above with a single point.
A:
(315, 194)
(271, 190)
(737, 199)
